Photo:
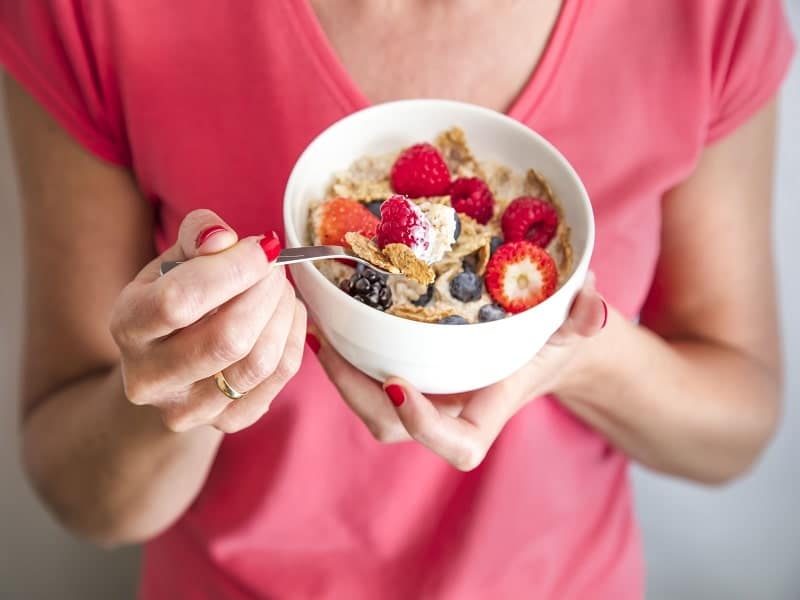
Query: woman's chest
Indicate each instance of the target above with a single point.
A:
(477, 52)
(219, 120)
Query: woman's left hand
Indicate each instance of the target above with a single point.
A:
(461, 428)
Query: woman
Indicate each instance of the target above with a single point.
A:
(154, 131)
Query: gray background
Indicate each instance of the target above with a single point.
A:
(740, 542)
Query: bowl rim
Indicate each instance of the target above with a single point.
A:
(293, 239)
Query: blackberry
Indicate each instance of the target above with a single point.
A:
(368, 287)
(453, 320)
(466, 286)
(375, 207)
(491, 312)
(425, 298)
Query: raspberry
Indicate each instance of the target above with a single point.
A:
(531, 219)
(341, 215)
(420, 171)
(403, 223)
(471, 196)
(520, 275)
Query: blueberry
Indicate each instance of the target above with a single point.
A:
(491, 312)
(425, 298)
(495, 244)
(457, 232)
(453, 320)
(375, 207)
(466, 286)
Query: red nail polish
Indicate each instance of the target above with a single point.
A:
(396, 394)
(271, 246)
(605, 313)
(312, 342)
(207, 233)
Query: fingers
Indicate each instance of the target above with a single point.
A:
(265, 355)
(244, 412)
(587, 316)
(463, 440)
(187, 293)
(205, 404)
(362, 394)
(224, 338)
(203, 232)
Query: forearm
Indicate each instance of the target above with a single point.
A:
(108, 469)
(687, 408)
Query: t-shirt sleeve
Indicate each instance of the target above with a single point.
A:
(58, 51)
(752, 49)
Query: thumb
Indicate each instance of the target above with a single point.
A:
(587, 316)
(203, 232)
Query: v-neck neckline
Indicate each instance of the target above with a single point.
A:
(351, 98)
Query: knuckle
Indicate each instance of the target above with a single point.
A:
(289, 365)
(118, 329)
(175, 305)
(261, 364)
(176, 422)
(383, 433)
(118, 325)
(136, 390)
(468, 458)
(231, 345)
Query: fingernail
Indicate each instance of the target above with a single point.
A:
(207, 233)
(312, 342)
(605, 313)
(396, 394)
(271, 245)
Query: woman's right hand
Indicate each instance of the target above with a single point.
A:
(227, 308)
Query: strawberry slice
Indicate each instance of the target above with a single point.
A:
(520, 275)
(341, 215)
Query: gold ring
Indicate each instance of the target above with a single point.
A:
(225, 387)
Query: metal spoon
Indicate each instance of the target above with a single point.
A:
(300, 254)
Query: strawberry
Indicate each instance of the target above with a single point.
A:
(403, 223)
(341, 215)
(532, 219)
(520, 275)
(471, 196)
(420, 171)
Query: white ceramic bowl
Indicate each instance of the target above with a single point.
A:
(433, 357)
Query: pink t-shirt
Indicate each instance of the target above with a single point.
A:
(210, 104)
